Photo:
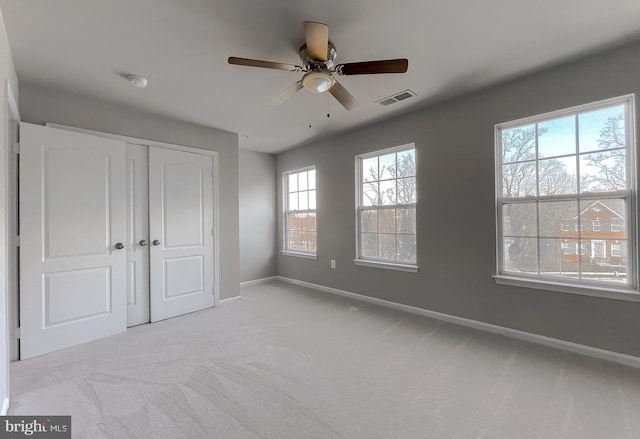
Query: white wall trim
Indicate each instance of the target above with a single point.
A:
(230, 299)
(5, 407)
(602, 354)
(264, 280)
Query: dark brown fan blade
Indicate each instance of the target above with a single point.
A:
(343, 96)
(373, 67)
(317, 36)
(264, 64)
(295, 88)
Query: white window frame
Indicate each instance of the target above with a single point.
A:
(285, 215)
(382, 263)
(628, 292)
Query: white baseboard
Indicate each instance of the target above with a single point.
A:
(230, 299)
(264, 280)
(602, 354)
(5, 407)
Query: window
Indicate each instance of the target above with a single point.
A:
(597, 225)
(567, 167)
(386, 208)
(617, 225)
(616, 250)
(300, 236)
(569, 248)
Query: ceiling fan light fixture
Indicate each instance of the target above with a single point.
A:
(318, 81)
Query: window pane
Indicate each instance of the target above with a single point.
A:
(599, 266)
(312, 179)
(302, 240)
(388, 180)
(406, 163)
(311, 246)
(388, 192)
(558, 258)
(602, 129)
(293, 201)
(302, 181)
(369, 221)
(407, 190)
(519, 219)
(293, 182)
(407, 248)
(369, 244)
(521, 255)
(558, 219)
(370, 169)
(518, 144)
(387, 246)
(303, 200)
(604, 171)
(519, 179)
(557, 137)
(387, 165)
(312, 200)
(370, 194)
(570, 235)
(293, 240)
(618, 252)
(293, 221)
(387, 220)
(311, 222)
(406, 220)
(557, 176)
(596, 217)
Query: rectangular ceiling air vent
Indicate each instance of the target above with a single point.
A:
(401, 96)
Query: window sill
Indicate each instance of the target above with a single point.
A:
(386, 265)
(299, 255)
(561, 287)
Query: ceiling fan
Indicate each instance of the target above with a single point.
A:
(318, 55)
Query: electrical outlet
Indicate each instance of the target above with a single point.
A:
(333, 263)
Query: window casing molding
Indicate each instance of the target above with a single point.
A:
(582, 197)
(309, 213)
(409, 208)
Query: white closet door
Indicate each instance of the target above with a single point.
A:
(137, 242)
(181, 232)
(72, 224)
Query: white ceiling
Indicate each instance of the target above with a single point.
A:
(182, 46)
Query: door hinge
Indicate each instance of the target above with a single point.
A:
(16, 241)
(213, 232)
(16, 333)
(16, 148)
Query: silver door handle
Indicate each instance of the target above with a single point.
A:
(156, 242)
(119, 246)
(143, 242)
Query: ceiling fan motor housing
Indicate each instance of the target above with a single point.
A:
(313, 64)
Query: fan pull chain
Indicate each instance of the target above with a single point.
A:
(328, 103)
(309, 111)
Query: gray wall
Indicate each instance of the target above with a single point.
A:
(7, 256)
(455, 213)
(39, 105)
(257, 215)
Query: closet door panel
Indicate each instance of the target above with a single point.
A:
(181, 232)
(137, 234)
(72, 223)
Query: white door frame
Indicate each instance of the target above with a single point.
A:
(216, 210)
(9, 268)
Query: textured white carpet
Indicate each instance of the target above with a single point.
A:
(289, 362)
